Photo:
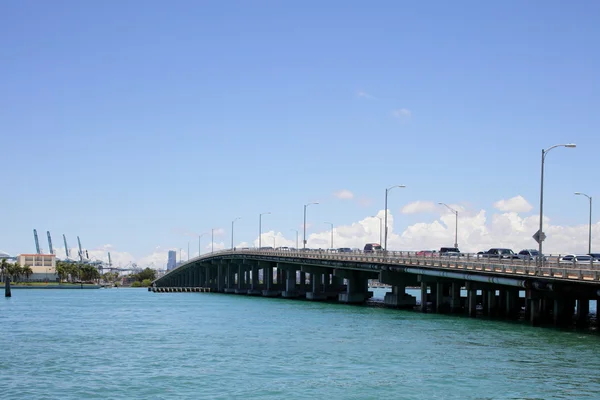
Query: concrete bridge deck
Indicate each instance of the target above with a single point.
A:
(551, 292)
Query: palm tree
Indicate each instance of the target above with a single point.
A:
(13, 271)
(62, 270)
(3, 268)
(27, 271)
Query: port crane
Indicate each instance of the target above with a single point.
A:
(66, 247)
(80, 251)
(37, 243)
(50, 243)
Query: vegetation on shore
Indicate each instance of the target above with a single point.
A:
(70, 272)
(14, 271)
(143, 278)
(76, 271)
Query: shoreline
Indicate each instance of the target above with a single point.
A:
(54, 286)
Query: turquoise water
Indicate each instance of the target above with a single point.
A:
(130, 344)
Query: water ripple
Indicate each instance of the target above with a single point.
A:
(124, 344)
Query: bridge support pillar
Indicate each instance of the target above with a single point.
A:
(290, 284)
(546, 310)
(241, 280)
(501, 305)
(512, 305)
(484, 302)
(317, 292)
(441, 304)
(564, 309)
(279, 276)
(221, 278)
(455, 303)
(254, 285)
(492, 308)
(357, 289)
(230, 284)
(471, 300)
(269, 286)
(583, 310)
(534, 310)
(207, 276)
(319, 280)
(423, 296)
(398, 296)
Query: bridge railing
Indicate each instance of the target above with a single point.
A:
(552, 266)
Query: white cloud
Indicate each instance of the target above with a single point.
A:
(344, 194)
(418, 207)
(477, 230)
(402, 113)
(365, 95)
(515, 204)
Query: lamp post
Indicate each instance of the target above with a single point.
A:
(212, 240)
(188, 251)
(304, 225)
(380, 222)
(233, 222)
(200, 247)
(541, 231)
(386, 209)
(296, 230)
(260, 228)
(455, 223)
(330, 223)
(590, 223)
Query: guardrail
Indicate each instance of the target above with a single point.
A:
(551, 268)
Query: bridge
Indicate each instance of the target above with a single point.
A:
(551, 293)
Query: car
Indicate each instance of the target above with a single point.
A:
(500, 253)
(449, 252)
(372, 248)
(426, 253)
(530, 254)
(595, 255)
(344, 250)
(577, 259)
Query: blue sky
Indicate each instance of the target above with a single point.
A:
(130, 123)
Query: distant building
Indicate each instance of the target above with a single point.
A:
(7, 256)
(172, 262)
(42, 265)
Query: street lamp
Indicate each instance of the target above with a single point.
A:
(330, 223)
(380, 222)
(260, 228)
(590, 223)
(540, 233)
(233, 222)
(304, 225)
(386, 209)
(199, 247)
(455, 223)
(296, 230)
(188, 251)
(212, 240)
